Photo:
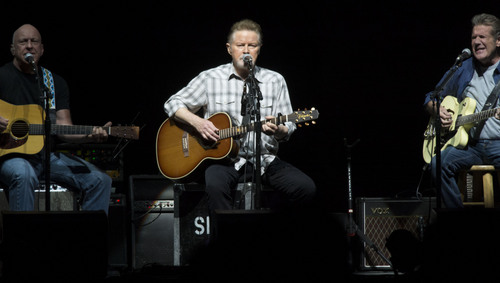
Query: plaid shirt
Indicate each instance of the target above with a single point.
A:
(220, 90)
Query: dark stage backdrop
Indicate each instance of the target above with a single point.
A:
(365, 66)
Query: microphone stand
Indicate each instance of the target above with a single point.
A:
(352, 228)
(436, 96)
(47, 130)
(255, 96)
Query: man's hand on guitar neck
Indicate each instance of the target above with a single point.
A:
(269, 128)
(497, 113)
(98, 134)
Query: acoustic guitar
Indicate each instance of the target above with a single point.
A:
(25, 131)
(180, 151)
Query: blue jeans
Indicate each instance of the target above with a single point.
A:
(453, 160)
(21, 177)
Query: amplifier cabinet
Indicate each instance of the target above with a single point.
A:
(379, 217)
(61, 199)
(170, 221)
(151, 198)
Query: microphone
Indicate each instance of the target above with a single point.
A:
(29, 58)
(464, 55)
(247, 58)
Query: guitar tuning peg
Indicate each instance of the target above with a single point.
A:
(307, 124)
(313, 122)
(313, 108)
(299, 125)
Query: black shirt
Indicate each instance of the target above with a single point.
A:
(19, 88)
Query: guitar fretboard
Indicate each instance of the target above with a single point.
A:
(235, 131)
(472, 118)
(39, 129)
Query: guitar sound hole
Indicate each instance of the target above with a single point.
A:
(19, 129)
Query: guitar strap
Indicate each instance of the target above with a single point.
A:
(48, 80)
(490, 102)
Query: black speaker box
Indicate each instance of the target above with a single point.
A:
(271, 246)
(54, 245)
(119, 229)
(152, 199)
(170, 221)
(378, 218)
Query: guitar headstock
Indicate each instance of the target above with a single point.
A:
(305, 116)
(126, 132)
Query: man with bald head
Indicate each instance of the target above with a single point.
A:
(21, 164)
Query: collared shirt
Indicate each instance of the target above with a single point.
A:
(220, 89)
(462, 84)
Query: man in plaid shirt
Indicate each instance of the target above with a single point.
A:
(220, 90)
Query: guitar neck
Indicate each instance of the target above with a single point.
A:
(55, 129)
(472, 118)
(301, 116)
(235, 131)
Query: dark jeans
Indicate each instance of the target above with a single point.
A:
(296, 189)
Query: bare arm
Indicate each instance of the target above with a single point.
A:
(203, 126)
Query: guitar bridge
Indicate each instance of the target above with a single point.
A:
(185, 144)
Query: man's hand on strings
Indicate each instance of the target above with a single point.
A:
(207, 130)
(446, 117)
(3, 124)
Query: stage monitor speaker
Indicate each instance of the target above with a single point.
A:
(152, 199)
(378, 218)
(49, 245)
(277, 246)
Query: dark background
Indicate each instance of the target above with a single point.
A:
(365, 65)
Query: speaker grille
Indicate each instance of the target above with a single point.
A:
(379, 217)
(379, 228)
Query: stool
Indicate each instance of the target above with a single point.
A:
(469, 181)
(243, 195)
